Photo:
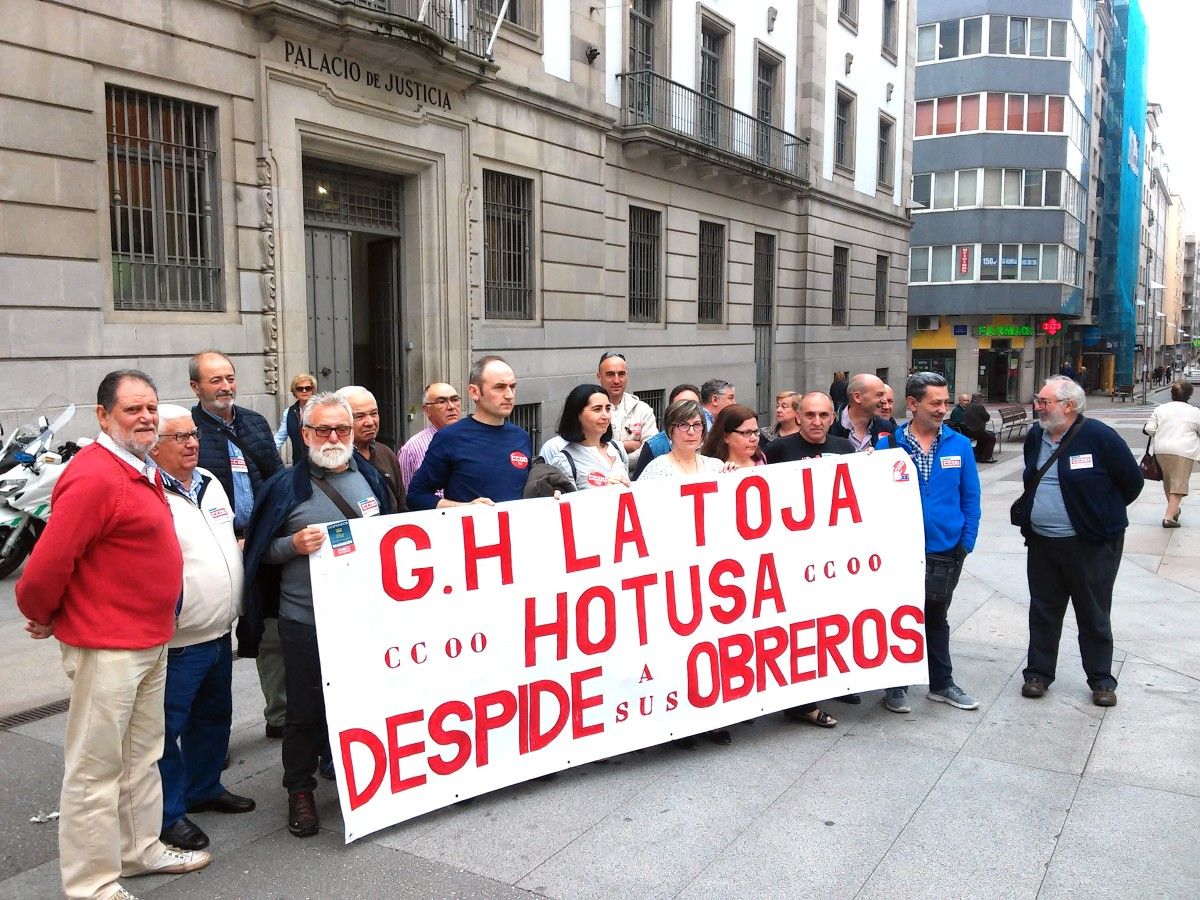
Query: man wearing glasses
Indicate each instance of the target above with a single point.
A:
(1074, 527)
(633, 420)
(442, 406)
(199, 691)
(325, 485)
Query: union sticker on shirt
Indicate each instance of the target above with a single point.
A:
(368, 507)
(340, 538)
(518, 459)
(597, 479)
(1081, 461)
(237, 463)
(219, 513)
(951, 462)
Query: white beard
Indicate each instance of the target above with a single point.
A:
(330, 457)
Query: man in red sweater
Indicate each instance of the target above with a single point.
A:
(105, 579)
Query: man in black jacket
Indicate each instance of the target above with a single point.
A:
(1074, 526)
(858, 421)
(238, 446)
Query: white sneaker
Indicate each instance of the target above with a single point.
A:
(174, 861)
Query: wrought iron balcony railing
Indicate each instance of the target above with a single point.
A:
(469, 24)
(649, 100)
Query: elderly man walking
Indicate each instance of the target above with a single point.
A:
(105, 579)
(328, 485)
(1079, 478)
(199, 693)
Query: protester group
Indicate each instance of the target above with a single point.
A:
(178, 527)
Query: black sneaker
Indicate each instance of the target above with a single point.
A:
(303, 820)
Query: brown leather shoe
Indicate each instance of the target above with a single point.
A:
(1104, 696)
(1034, 687)
(303, 820)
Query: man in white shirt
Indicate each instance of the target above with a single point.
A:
(633, 420)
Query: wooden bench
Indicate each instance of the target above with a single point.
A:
(1012, 418)
(1122, 392)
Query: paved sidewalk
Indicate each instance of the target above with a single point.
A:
(1020, 799)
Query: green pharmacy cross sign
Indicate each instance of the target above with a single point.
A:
(1004, 330)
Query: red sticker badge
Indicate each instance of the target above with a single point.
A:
(518, 459)
(899, 470)
(597, 479)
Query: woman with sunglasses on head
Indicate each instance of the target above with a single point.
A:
(734, 439)
(591, 458)
(303, 387)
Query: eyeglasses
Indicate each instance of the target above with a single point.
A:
(323, 431)
(691, 427)
(1041, 401)
(303, 389)
(747, 433)
(444, 401)
(182, 437)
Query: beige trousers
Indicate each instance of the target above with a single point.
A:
(110, 813)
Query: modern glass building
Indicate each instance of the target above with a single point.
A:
(1001, 171)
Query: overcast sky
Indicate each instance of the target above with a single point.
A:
(1173, 43)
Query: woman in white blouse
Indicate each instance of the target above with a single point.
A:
(684, 425)
(591, 458)
(1175, 431)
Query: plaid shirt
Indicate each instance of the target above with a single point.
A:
(922, 460)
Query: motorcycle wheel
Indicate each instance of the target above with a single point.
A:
(10, 563)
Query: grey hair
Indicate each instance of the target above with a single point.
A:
(169, 411)
(353, 390)
(918, 382)
(194, 362)
(325, 398)
(1068, 389)
(714, 387)
(680, 412)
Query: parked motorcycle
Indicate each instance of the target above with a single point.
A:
(29, 469)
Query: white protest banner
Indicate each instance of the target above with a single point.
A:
(470, 648)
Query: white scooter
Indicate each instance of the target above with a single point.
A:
(29, 469)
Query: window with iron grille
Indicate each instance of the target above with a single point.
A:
(882, 264)
(711, 274)
(518, 12)
(843, 131)
(164, 219)
(645, 248)
(342, 195)
(887, 151)
(764, 105)
(654, 399)
(507, 250)
(764, 278)
(712, 49)
(529, 417)
(840, 302)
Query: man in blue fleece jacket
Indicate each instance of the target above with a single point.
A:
(949, 484)
(482, 458)
(1074, 528)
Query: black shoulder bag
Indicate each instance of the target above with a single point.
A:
(338, 500)
(1016, 512)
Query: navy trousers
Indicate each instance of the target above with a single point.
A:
(199, 710)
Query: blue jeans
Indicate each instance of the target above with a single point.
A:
(199, 710)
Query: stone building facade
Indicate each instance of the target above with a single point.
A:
(343, 188)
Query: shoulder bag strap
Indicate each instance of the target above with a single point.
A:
(338, 500)
(1053, 456)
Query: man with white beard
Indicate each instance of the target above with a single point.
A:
(282, 533)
